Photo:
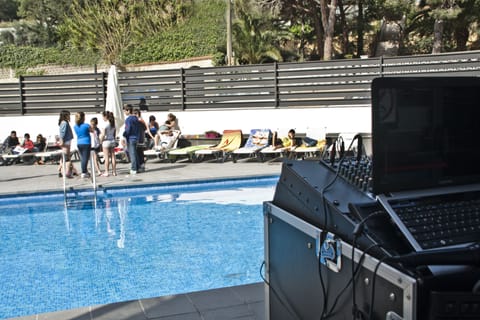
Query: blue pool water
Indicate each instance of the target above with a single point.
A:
(128, 244)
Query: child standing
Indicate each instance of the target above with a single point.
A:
(95, 136)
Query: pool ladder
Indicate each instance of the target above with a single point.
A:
(94, 175)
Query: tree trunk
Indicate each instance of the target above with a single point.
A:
(437, 36)
(343, 23)
(461, 38)
(328, 20)
(319, 31)
(360, 32)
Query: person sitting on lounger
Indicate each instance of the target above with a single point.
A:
(165, 127)
(28, 144)
(10, 142)
(40, 143)
(26, 147)
(285, 142)
(172, 122)
(167, 133)
(153, 127)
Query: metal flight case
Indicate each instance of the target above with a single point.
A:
(309, 277)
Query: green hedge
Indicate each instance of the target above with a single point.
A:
(22, 57)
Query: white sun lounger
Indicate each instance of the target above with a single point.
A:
(257, 140)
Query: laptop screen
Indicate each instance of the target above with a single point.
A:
(425, 132)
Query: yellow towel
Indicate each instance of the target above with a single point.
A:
(231, 140)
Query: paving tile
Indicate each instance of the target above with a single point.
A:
(167, 306)
(251, 292)
(235, 312)
(130, 310)
(258, 309)
(77, 314)
(184, 316)
(214, 299)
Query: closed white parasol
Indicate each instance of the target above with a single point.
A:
(114, 102)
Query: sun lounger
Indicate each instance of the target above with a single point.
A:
(186, 152)
(52, 150)
(167, 143)
(9, 159)
(257, 140)
(231, 140)
(273, 151)
(312, 145)
(53, 155)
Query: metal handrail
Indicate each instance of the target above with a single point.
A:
(64, 176)
(94, 174)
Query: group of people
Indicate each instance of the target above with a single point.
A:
(12, 145)
(137, 136)
(89, 138)
(140, 136)
(158, 136)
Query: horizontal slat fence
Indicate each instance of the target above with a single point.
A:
(336, 83)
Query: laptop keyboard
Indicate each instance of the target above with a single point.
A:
(438, 221)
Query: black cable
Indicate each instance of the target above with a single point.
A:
(325, 219)
(329, 184)
(360, 261)
(324, 291)
(286, 305)
(357, 231)
(261, 274)
(372, 297)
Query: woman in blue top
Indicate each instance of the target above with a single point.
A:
(84, 141)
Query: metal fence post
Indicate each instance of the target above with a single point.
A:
(182, 88)
(275, 84)
(21, 95)
(381, 66)
(104, 87)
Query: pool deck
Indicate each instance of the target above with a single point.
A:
(245, 302)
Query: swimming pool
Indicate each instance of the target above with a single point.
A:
(125, 244)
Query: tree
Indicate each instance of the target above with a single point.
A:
(8, 10)
(445, 10)
(391, 19)
(42, 19)
(442, 25)
(466, 24)
(200, 33)
(111, 27)
(256, 40)
(304, 16)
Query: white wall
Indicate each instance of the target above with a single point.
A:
(343, 119)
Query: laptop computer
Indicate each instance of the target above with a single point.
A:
(426, 156)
